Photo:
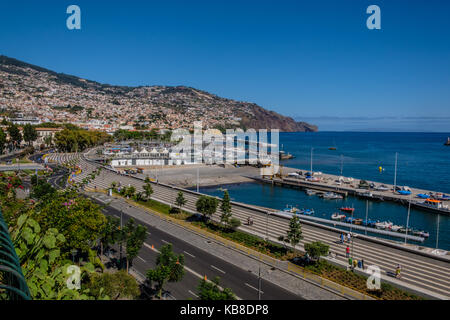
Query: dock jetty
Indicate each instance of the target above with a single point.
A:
(350, 186)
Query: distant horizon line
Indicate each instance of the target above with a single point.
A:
(363, 131)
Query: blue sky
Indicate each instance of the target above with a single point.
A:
(313, 60)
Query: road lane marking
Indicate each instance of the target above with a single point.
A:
(189, 270)
(165, 241)
(217, 269)
(189, 254)
(193, 294)
(248, 285)
(142, 259)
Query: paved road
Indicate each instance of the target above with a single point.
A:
(420, 271)
(243, 283)
(200, 263)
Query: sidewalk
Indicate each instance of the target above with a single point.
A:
(284, 279)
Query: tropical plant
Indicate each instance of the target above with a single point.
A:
(116, 285)
(134, 236)
(3, 140)
(316, 249)
(207, 206)
(180, 201)
(234, 223)
(225, 207)
(14, 135)
(29, 134)
(148, 190)
(77, 218)
(169, 267)
(46, 272)
(294, 233)
(212, 291)
(110, 233)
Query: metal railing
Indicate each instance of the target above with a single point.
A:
(12, 282)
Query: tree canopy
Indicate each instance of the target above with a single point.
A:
(212, 291)
(207, 206)
(294, 234)
(76, 140)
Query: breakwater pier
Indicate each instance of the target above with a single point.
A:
(366, 189)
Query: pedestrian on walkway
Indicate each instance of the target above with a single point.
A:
(342, 238)
(362, 264)
(398, 271)
(347, 251)
(349, 237)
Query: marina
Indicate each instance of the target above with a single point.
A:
(288, 215)
(328, 184)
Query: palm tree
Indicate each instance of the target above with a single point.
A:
(180, 200)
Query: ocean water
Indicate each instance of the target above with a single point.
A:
(423, 162)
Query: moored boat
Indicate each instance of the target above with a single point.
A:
(383, 225)
(338, 216)
(332, 196)
(396, 228)
(308, 212)
(347, 209)
(382, 188)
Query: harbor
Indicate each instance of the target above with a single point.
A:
(349, 186)
(350, 226)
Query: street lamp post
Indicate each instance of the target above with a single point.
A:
(367, 214)
(407, 218)
(74, 252)
(198, 169)
(351, 235)
(121, 214)
(437, 231)
(259, 282)
(395, 172)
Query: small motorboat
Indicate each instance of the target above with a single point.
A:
(441, 196)
(332, 196)
(403, 230)
(369, 223)
(290, 209)
(338, 216)
(349, 220)
(447, 143)
(358, 221)
(396, 228)
(382, 188)
(310, 192)
(332, 148)
(424, 234)
(347, 209)
(404, 192)
(385, 225)
(307, 212)
(423, 196)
